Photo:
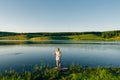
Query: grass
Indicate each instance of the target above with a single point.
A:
(39, 38)
(70, 37)
(17, 37)
(75, 72)
(86, 37)
(104, 36)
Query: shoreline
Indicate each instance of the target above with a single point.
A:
(2, 42)
(75, 72)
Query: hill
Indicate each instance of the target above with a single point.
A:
(106, 35)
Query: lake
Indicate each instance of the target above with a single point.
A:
(91, 54)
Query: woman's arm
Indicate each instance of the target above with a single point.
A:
(54, 52)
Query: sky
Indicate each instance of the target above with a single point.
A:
(59, 15)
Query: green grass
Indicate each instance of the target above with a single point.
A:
(39, 38)
(86, 37)
(16, 37)
(70, 37)
(75, 72)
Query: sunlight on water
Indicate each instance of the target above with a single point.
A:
(15, 56)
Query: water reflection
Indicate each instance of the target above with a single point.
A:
(85, 54)
(9, 42)
(16, 53)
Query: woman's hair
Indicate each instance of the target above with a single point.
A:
(58, 49)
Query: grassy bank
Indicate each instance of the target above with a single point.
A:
(75, 72)
(71, 37)
(101, 36)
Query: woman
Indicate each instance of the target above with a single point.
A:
(58, 55)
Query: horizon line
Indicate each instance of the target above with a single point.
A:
(59, 31)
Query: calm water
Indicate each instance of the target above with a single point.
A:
(18, 56)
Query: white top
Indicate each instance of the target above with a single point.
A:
(58, 54)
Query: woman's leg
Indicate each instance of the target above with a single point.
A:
(57, 63)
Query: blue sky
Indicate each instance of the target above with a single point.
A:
(59, 15)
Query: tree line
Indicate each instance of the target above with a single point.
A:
(105, 34)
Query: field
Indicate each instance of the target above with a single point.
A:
(101, 36)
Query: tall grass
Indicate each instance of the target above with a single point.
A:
(75, 72)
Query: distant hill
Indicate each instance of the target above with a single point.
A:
(106, 35)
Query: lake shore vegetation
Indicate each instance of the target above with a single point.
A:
(75, 72)
(99, 36)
